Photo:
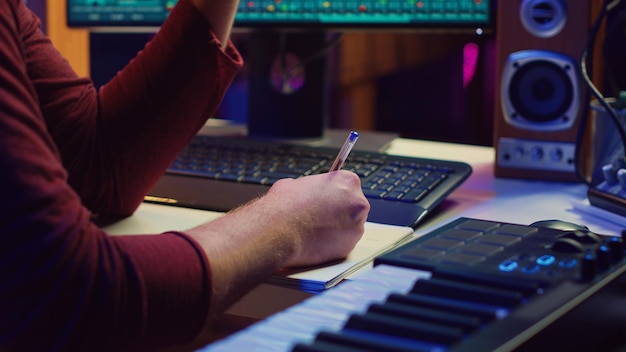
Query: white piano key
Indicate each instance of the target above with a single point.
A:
(327, 311)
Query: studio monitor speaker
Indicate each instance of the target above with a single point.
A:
(538, 97)
(286, 87)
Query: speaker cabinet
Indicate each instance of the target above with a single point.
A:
(538, 99)
(287, 90)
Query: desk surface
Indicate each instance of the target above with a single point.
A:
(509, 200)
(481, 196)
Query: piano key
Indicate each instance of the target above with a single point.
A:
(327, 311)
(321, 346)
(466, 322)
(332, 342)
(484, 312)
(528, 287)
(402, 327)
(471, 292)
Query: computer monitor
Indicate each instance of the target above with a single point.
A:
(299, 14)
(287, 77)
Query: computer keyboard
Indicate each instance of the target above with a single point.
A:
(400, 189)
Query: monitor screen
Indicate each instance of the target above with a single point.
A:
(295, 13)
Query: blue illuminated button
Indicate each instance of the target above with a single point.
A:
(546, 260)
(508, 265)
(568, 263)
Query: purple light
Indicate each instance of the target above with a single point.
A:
(470, 60)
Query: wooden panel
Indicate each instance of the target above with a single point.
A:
(72, 43)
(364, 57)
(357, 107)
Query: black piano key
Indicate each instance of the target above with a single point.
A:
(485, 313)
(469, 292)
(527, 287)
(466, 322)
(331, 341)
(320, 346)
(406, 328)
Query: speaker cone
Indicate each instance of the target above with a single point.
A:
(539, 90)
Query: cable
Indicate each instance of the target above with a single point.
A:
(584, 61)
(585, 113)
(323, 51)
(594, 90)
(287, 72)
(282, 54)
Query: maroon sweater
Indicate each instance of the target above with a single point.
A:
(68, 152)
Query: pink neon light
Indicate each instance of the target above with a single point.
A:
(470, 60)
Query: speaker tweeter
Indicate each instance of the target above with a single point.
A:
(543, 18)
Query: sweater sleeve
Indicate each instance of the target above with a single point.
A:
(117, 142)
(67, 285)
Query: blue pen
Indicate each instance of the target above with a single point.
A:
(345, 151)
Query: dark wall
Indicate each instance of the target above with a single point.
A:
(432, 101)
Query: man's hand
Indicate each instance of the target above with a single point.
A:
(304, 221)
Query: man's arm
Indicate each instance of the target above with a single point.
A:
(116, 143)
(220, 14)
(301, 222)
(67, 285)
